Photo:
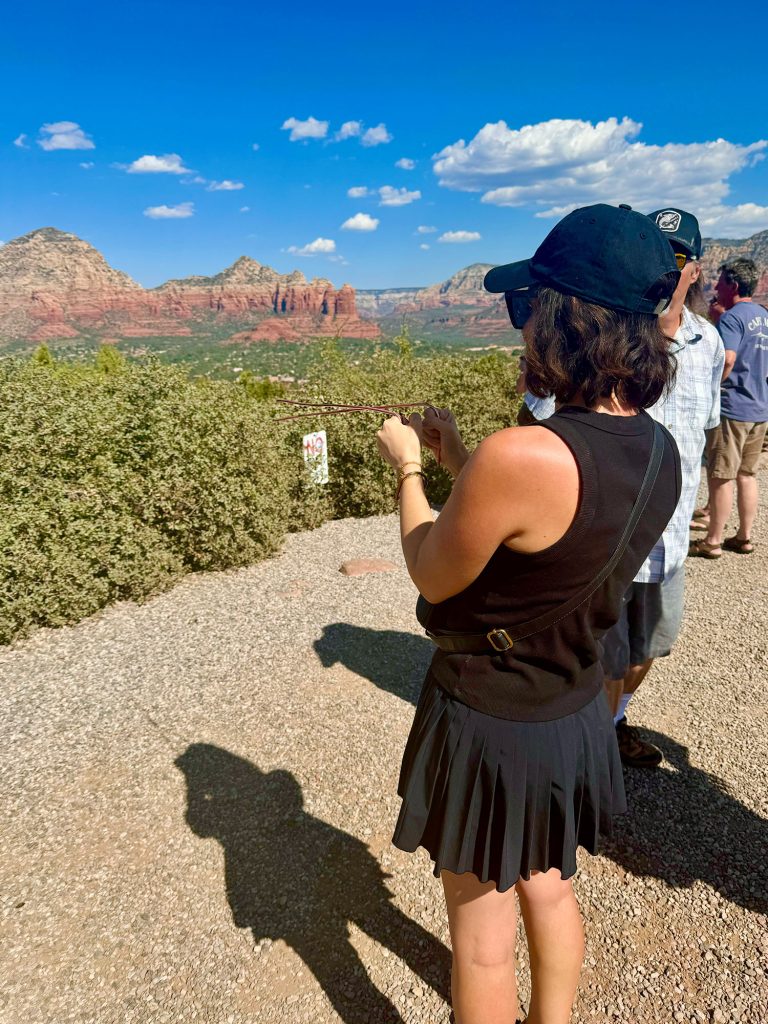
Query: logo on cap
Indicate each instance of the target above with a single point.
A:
(668, 220)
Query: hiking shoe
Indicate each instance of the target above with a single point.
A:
(636, 753)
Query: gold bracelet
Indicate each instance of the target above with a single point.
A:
(401, 468)
(403, 478)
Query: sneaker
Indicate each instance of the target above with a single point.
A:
(636, 753)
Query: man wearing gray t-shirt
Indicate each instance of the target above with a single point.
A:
(734, 447)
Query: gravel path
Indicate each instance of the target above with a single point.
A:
(199, 795)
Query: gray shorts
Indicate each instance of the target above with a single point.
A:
(651, 614)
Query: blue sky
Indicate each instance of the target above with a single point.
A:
(134, 126)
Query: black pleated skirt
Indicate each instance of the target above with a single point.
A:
(502, 798)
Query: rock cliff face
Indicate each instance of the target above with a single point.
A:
(464, 288)
(55, 285)
(718, 250)
(461, 307)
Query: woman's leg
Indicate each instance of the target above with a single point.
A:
(555, 945)
(482, 923)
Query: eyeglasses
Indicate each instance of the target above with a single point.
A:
(520, 305)
(682, 258)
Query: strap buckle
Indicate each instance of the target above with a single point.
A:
(500, 640)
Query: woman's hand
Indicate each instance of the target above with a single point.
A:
(442, 437)
(400, 442)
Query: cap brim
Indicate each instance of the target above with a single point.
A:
(509, 277)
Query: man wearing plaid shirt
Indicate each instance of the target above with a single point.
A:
(653, 605)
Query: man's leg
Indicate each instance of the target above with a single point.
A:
(636, 675)
(620, 691)
(723, 460)
(720, 506)
(622, 679)
(746, 498)
(746, 481)
(654, 619)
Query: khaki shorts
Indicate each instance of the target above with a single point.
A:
(734, 447)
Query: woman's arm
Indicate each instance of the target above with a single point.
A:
(519, 486)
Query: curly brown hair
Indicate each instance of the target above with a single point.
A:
(577, 347)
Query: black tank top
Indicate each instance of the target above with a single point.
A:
(556, 672)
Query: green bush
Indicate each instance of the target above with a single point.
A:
(116, 479)
(480, 392)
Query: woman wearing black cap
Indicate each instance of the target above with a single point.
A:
(511, 763)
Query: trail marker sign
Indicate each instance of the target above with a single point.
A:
(316, 456)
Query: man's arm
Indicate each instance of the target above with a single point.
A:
(730, 359)
(718, 371)
(732, 332)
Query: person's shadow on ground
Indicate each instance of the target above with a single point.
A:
(684, 825)
(294, 877)
(681, 825)
(394, 661)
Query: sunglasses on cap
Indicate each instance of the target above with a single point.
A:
(683, 258)
(520, 305)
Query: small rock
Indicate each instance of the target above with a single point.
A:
(360, 566)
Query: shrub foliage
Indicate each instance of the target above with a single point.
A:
(118, 478)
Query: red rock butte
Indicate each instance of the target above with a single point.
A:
(55, 285)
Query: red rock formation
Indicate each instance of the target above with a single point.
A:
(54, 285)
(268, 330)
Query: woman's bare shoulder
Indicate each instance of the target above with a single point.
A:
(521, 449)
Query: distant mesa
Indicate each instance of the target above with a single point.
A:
(465, 288)
(55, 285)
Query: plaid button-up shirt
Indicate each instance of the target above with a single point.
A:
(692, 407)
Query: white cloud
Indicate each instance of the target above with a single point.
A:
(424, 246)
(360, 222)
(63, 135)
(309, 129)
(168, 163)
(397, 196)
(376, 136)
(555, 166)
(320, 245)
(733, 221)
(405, 164)
(349, 130)
(460, 236)
(225, 186)
(245, 209)
(425, 229)
(357, 192)
(178, 212)
(87, 165)
(255, 147)
(21, 141)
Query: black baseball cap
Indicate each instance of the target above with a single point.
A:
(609, 255)
(681, 228)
